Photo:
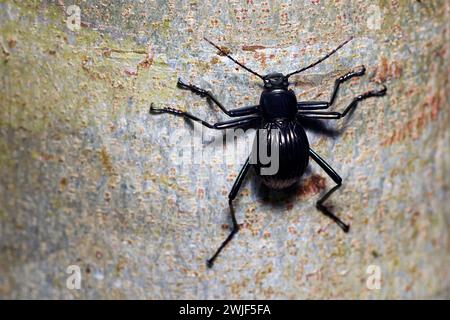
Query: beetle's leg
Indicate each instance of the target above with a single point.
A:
(356, 73)
(239, 112)
(235, 123)
(338, 180)
(321, 105)
(353, 104)
(234, 191)
(312, 105)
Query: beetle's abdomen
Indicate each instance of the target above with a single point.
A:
(293, 153)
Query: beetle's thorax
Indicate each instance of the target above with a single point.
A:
(278, 104)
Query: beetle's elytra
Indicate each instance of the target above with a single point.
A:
(279, 109)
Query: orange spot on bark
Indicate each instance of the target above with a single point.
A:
(387, 70)
(412, 129)
(313, 185)
(252, 48)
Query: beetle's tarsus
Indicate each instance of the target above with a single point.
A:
(373, 93)
(346, 228)
(358, 72)
(361, 71)
(185, 86)
(381, 92)
(155, 110)
(181, 84)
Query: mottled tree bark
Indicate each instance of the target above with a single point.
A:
(89, 178)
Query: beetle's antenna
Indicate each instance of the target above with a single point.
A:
(321, 59)
(232, 59)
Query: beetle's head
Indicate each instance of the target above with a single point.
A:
(275, 80)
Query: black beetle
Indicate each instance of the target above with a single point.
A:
(279, 109)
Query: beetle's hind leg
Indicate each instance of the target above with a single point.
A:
(338, 180)
(235, 228)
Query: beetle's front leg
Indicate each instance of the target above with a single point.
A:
(338, 115)
(321, 105)
(355, 73)
(234, 123)
(238, 112)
